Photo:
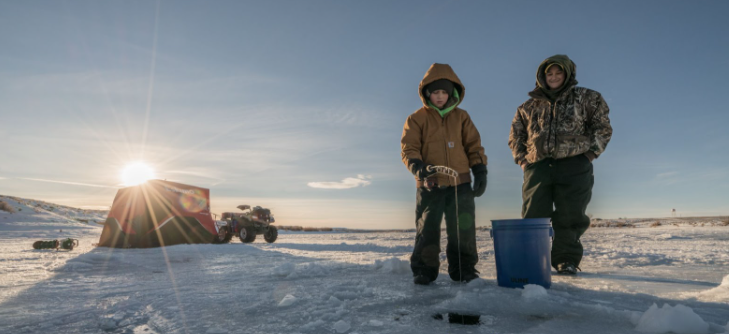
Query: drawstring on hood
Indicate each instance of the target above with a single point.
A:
(570, 71)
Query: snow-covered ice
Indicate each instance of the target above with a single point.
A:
(665, 279)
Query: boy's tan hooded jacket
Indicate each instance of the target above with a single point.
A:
(451, 140)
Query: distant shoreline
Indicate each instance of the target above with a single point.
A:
(722, 220)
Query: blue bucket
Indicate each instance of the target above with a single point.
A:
(522, 251)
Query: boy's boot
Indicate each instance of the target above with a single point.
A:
(421, 280)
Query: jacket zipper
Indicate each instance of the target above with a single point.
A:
(553, 115)
(447, 136)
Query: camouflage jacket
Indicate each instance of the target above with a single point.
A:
(576, 123)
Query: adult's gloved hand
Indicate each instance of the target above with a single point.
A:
(479, 179)
(420, 169)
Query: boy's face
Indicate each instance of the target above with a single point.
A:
(555, 77)
(439, 98)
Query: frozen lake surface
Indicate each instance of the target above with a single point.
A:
(669, 278)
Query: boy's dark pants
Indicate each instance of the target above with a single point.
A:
(430, 207)
(560, 189)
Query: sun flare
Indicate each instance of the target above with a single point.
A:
(136, 173)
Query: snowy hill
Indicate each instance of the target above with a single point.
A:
(32, 210)
(33, 218)
(669, 278)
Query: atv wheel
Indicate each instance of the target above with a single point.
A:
(271, 234)
(247, 234)
(223, 236)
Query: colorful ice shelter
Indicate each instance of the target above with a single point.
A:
(159, 213)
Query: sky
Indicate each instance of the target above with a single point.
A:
(298, 106)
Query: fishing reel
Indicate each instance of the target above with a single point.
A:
(443, 170)
(67, 244)
(432, 182)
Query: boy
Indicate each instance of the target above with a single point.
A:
(441, 134)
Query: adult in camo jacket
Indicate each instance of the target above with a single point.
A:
(555, 136)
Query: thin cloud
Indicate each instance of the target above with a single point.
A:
(348, 183)
(668, 178)
(201, 174)
(666, 175)
(71, 183)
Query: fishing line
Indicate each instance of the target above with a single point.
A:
(450, 172)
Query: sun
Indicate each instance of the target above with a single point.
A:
(136, 173)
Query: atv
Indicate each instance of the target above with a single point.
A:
(246, 225)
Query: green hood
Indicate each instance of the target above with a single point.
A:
(570, 71)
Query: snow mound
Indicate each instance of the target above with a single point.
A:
(677, 319)
(392, 266)
(718, 294)
(533, 291)
(477, 283)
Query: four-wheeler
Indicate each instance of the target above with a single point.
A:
(246, 225)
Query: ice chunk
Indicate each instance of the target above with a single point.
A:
(287, 301)
(334, 301)
(119, 316)
(677, 319)
(284, 269)
(341, 326)
(376, 323)
(107, 324)
(392, 266)
(309, 270)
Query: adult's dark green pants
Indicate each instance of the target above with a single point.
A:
(560, 189)
(461, 251)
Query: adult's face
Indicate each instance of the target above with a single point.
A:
(555, 77)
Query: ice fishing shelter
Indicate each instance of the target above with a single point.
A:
(159, 213)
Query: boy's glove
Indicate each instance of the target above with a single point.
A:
(420, 169)
(479, 179)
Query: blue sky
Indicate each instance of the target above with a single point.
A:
(267, 102)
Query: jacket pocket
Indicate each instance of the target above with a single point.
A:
(433, 152)
(536, 149)
(571, 145)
